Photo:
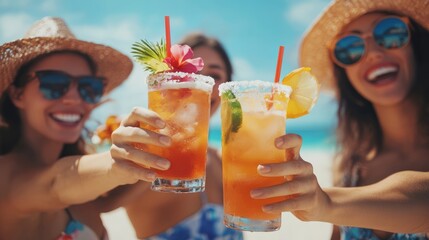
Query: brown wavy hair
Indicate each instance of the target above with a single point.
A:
(10, 121)
(359, 133)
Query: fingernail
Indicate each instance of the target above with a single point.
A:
(163, 164)
(279, 142)
(264, 169)
(255, 193)
(160, 123)
(166, 141)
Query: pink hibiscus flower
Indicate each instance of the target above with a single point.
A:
(181, 60)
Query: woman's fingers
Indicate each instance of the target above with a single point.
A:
(126, 135)
(299, 186)
(130, 140)
(139, 157)
(289, 141)
(130, 131)
(142, 115)
(300, 203)
(288, 168)
(134, 172)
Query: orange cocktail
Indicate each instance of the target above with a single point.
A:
(253, 115)
(183, 101)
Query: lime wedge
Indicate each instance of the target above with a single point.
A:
(231, 114)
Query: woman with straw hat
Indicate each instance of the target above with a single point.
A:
(49, 186)
(375, 56)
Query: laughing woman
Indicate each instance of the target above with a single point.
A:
(375, 56)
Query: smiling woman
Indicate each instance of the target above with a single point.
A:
(49, 185)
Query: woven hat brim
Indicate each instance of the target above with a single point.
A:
(111, 64)
(314, 50)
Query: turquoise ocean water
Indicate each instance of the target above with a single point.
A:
(316, 138)
(320, 138)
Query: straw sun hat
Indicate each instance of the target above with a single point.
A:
(314, 50)
(51, 34)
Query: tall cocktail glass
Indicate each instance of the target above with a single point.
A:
(183, 102)
(253, 114)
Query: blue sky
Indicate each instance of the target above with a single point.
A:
(251, 31)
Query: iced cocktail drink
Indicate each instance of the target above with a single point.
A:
(183, 101)
(253, 114)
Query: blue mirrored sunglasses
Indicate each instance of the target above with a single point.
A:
(388, 33)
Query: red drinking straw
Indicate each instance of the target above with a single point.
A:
(167, 35)
(279, 64)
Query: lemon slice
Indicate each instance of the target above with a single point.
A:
(231, 113)
(305, 90)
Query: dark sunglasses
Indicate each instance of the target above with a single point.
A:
(388, 33)
(55, 84)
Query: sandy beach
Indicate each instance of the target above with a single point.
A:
(120, 228)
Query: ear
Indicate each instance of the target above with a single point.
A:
(16, 96)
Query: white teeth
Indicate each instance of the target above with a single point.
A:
(381, 71)
(67, 117)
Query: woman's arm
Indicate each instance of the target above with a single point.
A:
(399, 203)
(79, 179)
(72, 180)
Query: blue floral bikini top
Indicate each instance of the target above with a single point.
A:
(355, 233)
(206, 224)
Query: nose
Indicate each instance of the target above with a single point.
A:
(374, 51)
(72, 96)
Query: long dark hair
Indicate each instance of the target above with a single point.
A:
(359, 133)
(195, 40)
(10, 127)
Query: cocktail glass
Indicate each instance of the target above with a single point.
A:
(253, 114)
(183, 101)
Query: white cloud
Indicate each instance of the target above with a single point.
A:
(119, 34)
(14, 26)
(303, 13)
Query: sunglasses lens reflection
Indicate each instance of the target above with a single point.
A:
(55, 84)
(349, 49)
(391, 33)
(90, 89)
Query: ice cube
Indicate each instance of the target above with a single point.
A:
(178, 137)
(190, 129)
(186, 115)
(252, 103)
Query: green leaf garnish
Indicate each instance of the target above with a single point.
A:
(151, 55)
